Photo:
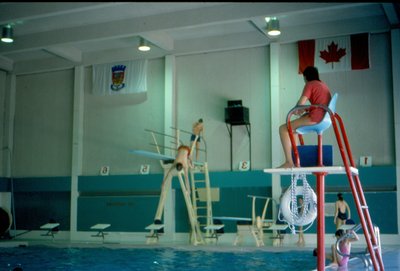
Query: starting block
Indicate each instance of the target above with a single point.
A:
(100, 228)
(50, 227)
(214, 228)
(279, 237)
(154, 228)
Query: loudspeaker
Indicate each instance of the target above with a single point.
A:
(237, 115)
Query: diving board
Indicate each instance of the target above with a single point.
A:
(311, 170)
(158, 156)
(153, 155)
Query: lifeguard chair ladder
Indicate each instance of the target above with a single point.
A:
(332, 118)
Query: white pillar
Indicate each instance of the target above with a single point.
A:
(9, 97)
(169, 121)
(276, 146)
(6, 198)
(395, 37)
(77, 148)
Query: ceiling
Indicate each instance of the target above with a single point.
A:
(56, 35)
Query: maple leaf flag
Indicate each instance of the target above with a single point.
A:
(335, 54)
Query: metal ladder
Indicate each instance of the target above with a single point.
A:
(358, 193)
(200, 185)
(200, 188)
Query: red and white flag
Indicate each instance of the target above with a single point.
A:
(335, 54)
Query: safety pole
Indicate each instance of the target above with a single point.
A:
(321, 220)
(320, 209)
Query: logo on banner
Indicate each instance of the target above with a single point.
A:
(118, 76)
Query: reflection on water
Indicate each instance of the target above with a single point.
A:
(166, 258)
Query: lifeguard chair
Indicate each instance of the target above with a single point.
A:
(331, 118)
(319, 129)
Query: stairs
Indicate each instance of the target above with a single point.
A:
(196, 236)
(358, 195)
(202, 198)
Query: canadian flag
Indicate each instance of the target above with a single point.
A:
(335, 54)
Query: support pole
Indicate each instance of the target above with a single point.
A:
(321, 220)
(320, 209)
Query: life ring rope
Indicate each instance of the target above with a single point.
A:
(289, 207)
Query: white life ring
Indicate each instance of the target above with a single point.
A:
(312, 208)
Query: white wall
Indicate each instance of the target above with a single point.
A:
(43, 124)
(205, 82)
(113, 125)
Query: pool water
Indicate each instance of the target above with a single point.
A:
(32, 258)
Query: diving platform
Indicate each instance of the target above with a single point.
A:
(311, 170)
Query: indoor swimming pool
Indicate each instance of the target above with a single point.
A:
(86, 257)
(40, 257)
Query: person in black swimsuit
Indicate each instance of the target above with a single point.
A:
(342, 211)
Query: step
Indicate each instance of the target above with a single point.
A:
(376, 247)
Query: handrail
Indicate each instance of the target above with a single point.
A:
(363, 255)
(355, 229)
(357, 192)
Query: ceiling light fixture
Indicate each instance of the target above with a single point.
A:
(7, 34)
(143, 46)
(273, 26)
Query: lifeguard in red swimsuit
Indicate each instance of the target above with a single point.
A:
(316, 92)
